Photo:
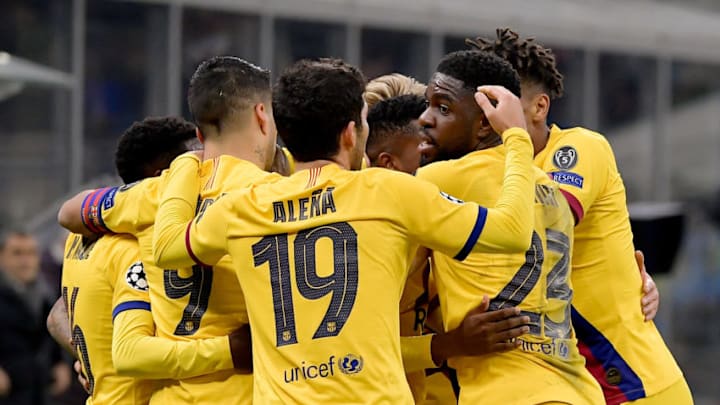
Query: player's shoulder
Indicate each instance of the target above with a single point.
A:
(580, 137)
(386, 178)
(119, 244)
(241, 173)
(436, 172)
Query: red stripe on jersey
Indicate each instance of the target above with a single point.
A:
(613, 394)
(188, 247)
(575, 206)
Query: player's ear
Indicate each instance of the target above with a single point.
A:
(482, 127)
(385, 160)
(263, 118)
(348, 138)
(540, 107)
(199, 135)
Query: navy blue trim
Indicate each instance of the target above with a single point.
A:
(605, 353)
(474, 235)
(101, 205)
(128, 305)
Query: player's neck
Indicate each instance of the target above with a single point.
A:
(231, 147)
(341, 159)
(539, 134)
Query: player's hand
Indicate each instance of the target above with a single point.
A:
(507, 113)
(81, 377)
(481, 332)
(5, 383)
(651, 296)
(241, 349)
(62, 376)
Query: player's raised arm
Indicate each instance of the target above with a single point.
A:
(70, 214)
(512, 216)
(180, 241)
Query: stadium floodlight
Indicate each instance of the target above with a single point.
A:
(17, 72)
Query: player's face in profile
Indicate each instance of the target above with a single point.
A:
(407, 149)
(362, 136)
(448, 119)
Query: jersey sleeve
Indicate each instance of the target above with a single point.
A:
(444, 223)
(122, 209)
(416, 353)
(138, 353)
(580, 165)
(180, 240)
(127, 275)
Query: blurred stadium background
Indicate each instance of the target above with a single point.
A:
(75, 73)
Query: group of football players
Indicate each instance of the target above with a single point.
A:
(485, 256)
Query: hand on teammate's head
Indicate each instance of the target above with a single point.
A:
(507, 111)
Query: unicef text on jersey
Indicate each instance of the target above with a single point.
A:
(347, 365)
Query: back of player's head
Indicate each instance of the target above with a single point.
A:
(313, 101)
(534, 63)
(392, 85)
(392, 118)
(224, 86)
(476, 69)
(150, 145)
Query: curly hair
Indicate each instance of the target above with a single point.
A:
(476, 69)
(533, 62)
(151, 144)
(223, 85)
(392, 85)
(313, 101)
(390, 118)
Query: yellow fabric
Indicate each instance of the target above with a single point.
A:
(548, 363)
(677, 394)
(439, 390)
(329, 213)
(215, 289)
(138, 354)
(605, 276)
(416, 352)
(290, 159)
(93, 284)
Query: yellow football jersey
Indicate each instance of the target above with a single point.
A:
(330, 250)
(413, 311)
(194, 302)
(625, 354)
(99, 281)
(547, 366)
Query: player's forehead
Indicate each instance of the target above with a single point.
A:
(443, 85)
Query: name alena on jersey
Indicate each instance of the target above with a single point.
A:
(319, 203)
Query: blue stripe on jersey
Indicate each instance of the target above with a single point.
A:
(474, 235)
(128, 305)
(601, 348)
(106, 202)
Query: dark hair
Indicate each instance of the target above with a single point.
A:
(392, 117)
(313, 101)
(532, 61)
(151, 144)
(223, 85)
(476, 69)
